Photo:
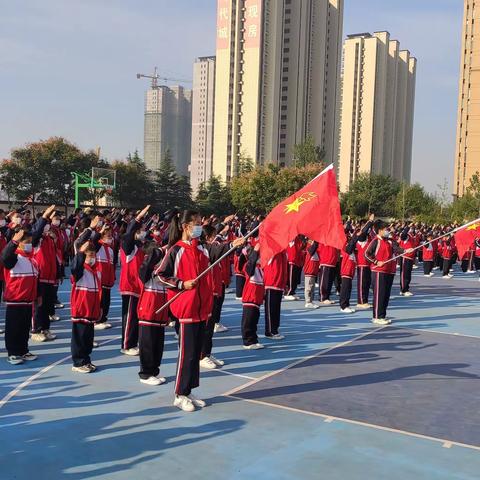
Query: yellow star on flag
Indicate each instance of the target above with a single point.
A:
(294, 206)
(474, 226)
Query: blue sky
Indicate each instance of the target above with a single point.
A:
(68, 67)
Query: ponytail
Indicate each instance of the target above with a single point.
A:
(175, 230)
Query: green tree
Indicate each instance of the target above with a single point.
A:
(10, 179)
(214, 197)
(263, 188)
(371, 193)
(308, 152)
(166, 183)
(413, 202)
(244, 164)
(134, 185)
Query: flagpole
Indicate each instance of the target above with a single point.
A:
(202, 274)
(435, 239)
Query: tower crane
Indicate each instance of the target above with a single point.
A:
(156, 77)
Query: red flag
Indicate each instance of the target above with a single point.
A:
(465, 237)
(313, 211)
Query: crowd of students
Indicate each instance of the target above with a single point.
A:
(161, 259)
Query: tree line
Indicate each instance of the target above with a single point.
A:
(42, 172)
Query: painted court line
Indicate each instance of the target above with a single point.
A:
(46, 369)
(302, 360)
(328, 419)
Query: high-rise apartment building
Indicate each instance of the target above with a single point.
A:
(203, 104)
(377, 107)
(277, 72)
(168, 125)
(467, 153)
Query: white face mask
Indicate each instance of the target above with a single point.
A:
(157, 233)
(27, 247)
(197, 231)
(141, 235)
(90, 261)
(46, 228)
(2, 222)
(100, 223)
(17, 220)
(55, 223)
(108, 241)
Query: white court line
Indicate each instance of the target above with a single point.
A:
(234, 374)
(301, 360)
(31, 379)
(413, 329)
(328, 419)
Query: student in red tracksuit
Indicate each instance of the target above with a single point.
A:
(21, 278)
(407, 241)
(216, 250)
(446, 252)
(311, 268)
(364, 274)
(380, 253)
(295, 262)
(239, 259)
(476, 258)
(130, 286)
(184, 261)
(428, 256)
(103, 242)
(347, 272)
(45, 254)
(275, 274)
(328, 262)
(3, 244)
(253, 296)
(85, 304)
(151, 325)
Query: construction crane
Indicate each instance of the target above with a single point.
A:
(156, 77)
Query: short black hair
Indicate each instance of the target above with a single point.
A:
(379, 225)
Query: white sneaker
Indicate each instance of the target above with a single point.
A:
(219, 328)
(49, 335)
(431, 274)
(408, 294)
(364, 306)
(254, 346)
(95, 344)
(196, 401)
(54, 318)
(154, 381)
(2, 331)
(239, 299)
(38, 337)
(184, 403)
(102, 326)
(15, 359)
(207, 363)
(59, 305)
(277, 336)
(447, 277)
(83, 369)
(381, 321)
(328, 302)
(427, 275)
(130, 351)
(347, 310)
(471, 271)
(414, 267)
(29, 357)
(172, 324)
(311, 305)
(216, 361)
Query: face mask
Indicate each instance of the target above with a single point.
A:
(91, 261)
(2, 223)
(108, 241)
(141, 235)
(100, 223)
(27, 247)
(156, 233)
(46, 228)
(17, 220)
(386, 234)
(197, 231)
(55, 223)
